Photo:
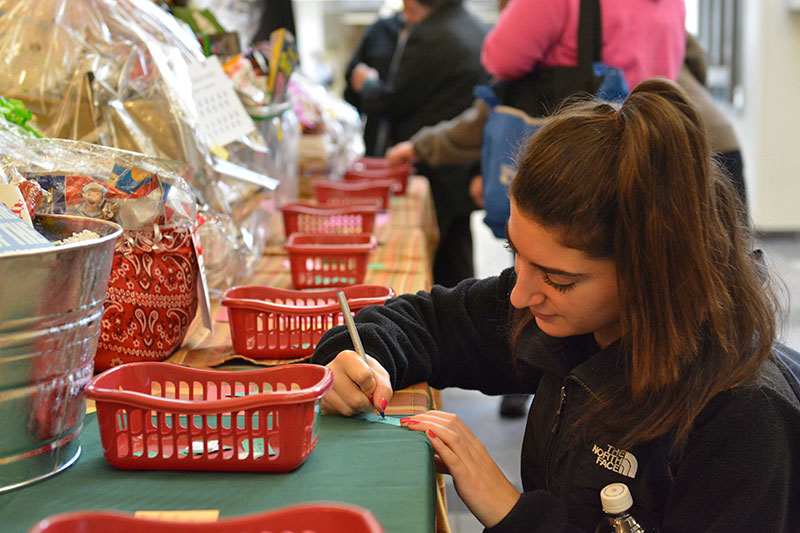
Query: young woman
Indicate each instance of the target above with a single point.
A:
(636, 315)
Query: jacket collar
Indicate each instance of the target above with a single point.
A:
(578, 356)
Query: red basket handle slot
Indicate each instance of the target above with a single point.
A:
(106, 387)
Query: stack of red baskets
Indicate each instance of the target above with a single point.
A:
(328, 244)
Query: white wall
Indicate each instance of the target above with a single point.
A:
(769, 122)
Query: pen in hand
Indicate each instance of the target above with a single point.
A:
(351, 327)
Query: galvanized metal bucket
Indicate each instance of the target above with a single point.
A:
(51, 304)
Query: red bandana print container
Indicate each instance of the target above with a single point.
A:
(151, 297)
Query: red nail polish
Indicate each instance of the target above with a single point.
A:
(431, 434)
(413, 422)
(383, 403)
(405, 420)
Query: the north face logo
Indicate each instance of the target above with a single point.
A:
(616, 460)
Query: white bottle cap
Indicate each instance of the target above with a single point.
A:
(616, 498)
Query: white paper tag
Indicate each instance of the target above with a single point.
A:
(221, 117)
(16, 235)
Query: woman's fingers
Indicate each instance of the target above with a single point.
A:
(478, 480)
(358, 386)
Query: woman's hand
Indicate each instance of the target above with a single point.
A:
(401, 153)
(478, 480)
(354, 388)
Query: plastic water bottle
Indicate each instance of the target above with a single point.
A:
(617, 502)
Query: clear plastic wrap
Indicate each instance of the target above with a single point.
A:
(116, 73)
(241, 16)
(169, 200)
(331, 132)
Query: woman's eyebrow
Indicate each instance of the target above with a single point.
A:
(545, 269)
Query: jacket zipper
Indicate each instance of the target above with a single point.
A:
(551, 445)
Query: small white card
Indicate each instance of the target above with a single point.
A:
(221, 117)
(16, 235)
(11, 196)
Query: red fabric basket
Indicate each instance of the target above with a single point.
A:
(151, 297)
(354, 193)
(304, 518)
(302, 217)
(322, 260)
(160, 416)
(272, 323)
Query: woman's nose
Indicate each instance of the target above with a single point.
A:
(526, 291)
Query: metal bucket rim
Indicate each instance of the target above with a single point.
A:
(114, 235)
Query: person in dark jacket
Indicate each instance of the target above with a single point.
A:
(435, 75)
(637, 316)
(376, 50)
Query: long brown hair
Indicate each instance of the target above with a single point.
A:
(637, 183)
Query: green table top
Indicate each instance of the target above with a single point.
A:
(384, 468)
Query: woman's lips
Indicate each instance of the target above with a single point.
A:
(543, 316)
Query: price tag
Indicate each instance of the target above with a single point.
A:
(210, 515)
(221, 117)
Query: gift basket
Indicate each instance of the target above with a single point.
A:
(152, 290)
(160, 416)
(267, 322)
(321, 517)
(118, 73)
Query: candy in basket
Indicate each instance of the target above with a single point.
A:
(320, 517)
(160, 416)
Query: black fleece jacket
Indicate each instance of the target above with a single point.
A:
(739, 470)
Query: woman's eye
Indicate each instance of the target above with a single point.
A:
(558, 286)
(510, 247)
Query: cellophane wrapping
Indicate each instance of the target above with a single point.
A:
(115, 73)
(332, 133)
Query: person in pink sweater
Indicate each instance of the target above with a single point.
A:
(643, 38)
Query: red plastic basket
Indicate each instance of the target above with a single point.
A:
(303, 518)
(323, 260)
(354, 193)
(397, 173)
(369, 163)
(302, 217)
(160, 416)
(273, 323)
